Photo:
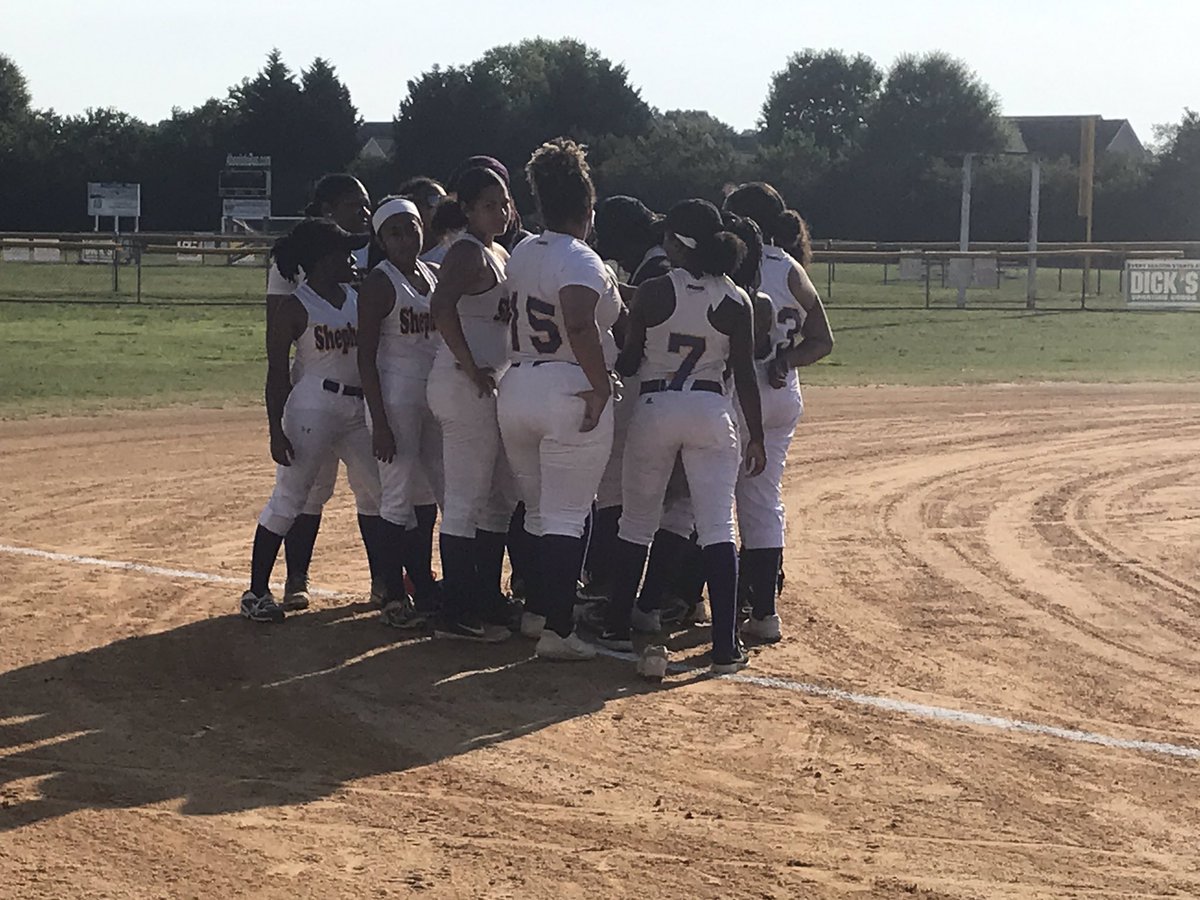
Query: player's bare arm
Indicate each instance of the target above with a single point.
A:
(745, 380)
(375, 302)
(464, 271)
(285, 323)
(816, 338)
(579, 316)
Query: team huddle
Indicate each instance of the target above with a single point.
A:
(610, 402)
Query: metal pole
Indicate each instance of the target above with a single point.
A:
(116, 258)
(925, 259)
(964, 230)
(1035, 199)
(829, 280)
(885, 267)
(137, 256)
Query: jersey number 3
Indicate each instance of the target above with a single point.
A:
(790, 317)
(695, 346)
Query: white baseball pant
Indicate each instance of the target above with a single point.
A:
(678, 517)
(322, 488)
(557, 467)
(699, 426)
(480, 493)
(609, 492)
(418, 449)
(321, 426)
(762, 518)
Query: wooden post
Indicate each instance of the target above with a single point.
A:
(964, 225)
(1035, 199)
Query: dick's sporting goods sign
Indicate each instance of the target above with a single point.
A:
(1163, 283)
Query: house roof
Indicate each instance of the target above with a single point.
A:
(368, 130)
(1057, 136)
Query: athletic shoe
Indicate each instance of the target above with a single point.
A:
(261, 609)
(652, 664)
(592, 616)
(726, 665)
(566, 649)
(378, 593)
(619, 639)
(532, 625)
(403, 615)
(767, 630)
(468, 628)
(504, 612)
(698, 614)
(295, 594)
(516, 587)
(646, 622)
(593, 591)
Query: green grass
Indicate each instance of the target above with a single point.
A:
(60, 358)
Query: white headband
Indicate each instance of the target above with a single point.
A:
(394, 207)
(689, 242)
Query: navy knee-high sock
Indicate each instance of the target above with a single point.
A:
(458, 573)
(627, 563)
(666, 556)
(262, 559)
(298, 545)
(689, 577)
(421, 570)
(521, 545)
(759, 572)
(560, 558)
(602, 545)
(532, 556)
(720, 572)
(489, 563)
(390, 542)
(371, 529)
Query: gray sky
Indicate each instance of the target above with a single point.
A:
(1116, 59)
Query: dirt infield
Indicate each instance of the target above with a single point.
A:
(1030, 553)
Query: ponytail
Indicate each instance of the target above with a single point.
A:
(791, 234)
(286, 256)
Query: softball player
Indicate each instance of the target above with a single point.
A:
(630, 235)
(322, 413)
(685, 330)
(470, 308)
(799, 335)
(342, 198)
(553, 405)
(396, 346)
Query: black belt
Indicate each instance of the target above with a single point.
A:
(545, 362)
(654, 387)
(336, 388)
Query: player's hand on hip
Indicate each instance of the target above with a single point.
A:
(777, 372)
(383, 443)
(593, 407)
(756, 458)
(485, 380)
(281, 449)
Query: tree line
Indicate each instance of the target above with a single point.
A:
(861, 152)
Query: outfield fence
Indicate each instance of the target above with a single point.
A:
(189, 268)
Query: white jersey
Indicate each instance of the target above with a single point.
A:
(484, 318)
(328, 348)
(687, 347)
(787, 314)
(407, 340)
(539, 268)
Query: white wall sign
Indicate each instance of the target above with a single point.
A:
(1163, 283)
(114, 199)
(246, 208)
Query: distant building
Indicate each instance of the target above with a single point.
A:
(1054, 137)
(376, 140)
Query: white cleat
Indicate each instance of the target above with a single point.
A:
(767, 630)
(652, 665)
(646, 622)
(567, 649)
(532, 625)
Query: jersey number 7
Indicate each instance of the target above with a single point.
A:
(677, 343)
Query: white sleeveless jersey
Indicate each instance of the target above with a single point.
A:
(789, 315)
(407, 340)
(539, 268)
(687, 347)
(328, 348)
(484, 317)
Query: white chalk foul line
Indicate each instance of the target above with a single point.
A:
(887, 704)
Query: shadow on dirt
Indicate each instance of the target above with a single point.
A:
(228, 716)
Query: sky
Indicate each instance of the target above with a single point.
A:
(1054, 57)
